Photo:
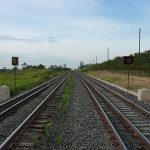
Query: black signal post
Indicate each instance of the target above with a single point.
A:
(139, 47)
(15, 63)
(128, 60)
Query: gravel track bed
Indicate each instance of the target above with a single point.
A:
(82, 128)
(129, 96)
(129, 141)
(9, 124)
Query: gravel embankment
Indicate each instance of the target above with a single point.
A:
(10, 123)
(82, 128)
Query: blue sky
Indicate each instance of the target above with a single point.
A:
(57, 32)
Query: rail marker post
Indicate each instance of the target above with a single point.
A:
(15, 63)
(128, 60)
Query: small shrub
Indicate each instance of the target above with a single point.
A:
(59, 137)
(48, 129)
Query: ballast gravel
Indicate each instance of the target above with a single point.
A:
(127, 95)
(81, 127)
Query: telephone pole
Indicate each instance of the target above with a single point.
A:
(108, 54)
(139, 40)
(96, 59)
(108, 58)
(93, 61)
(139, 46)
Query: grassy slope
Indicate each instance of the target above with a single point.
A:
(26, 79)
(122, 79)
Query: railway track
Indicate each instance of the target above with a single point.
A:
(34, 122)
(127, 122)
(15, 103)
(125, 94)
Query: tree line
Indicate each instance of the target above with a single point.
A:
(141, 62)
(25, 66)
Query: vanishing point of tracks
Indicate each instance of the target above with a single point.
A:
(37, 124)
(126, 122)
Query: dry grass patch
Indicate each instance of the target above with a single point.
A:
(122, 79)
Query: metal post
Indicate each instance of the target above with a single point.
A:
(108, 54)
(15, 68)
(139, 40)
(139, 47)
(128, 76)
(108, 58)
(96, 59)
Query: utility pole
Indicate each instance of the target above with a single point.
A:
(96, 59)
(108, 54)
(139, 47)
(139, 40)
(108, 58)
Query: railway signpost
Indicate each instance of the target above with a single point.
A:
(128, 60)
(15, 63)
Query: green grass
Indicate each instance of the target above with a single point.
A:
(26, 79)
(112, 79)
(108, 77)
(64, 105)
(66, 97)
(59, 137)
(121, 79)
(48, 129)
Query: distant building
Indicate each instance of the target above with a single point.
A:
(81, 64)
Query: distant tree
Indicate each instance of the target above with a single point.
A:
(24, 65)
(141, 62)
(40, 66)
(64, 65)
(34, 67)
(58, 68)
(4, 69)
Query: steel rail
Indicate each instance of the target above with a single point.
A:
(23, 95)
(142, 139)
(7, 111)
(144, 111)
(8, 142)
(120, 144)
